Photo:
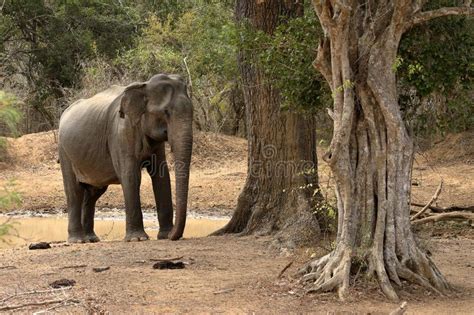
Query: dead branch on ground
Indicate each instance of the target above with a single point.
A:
(285, 269)
(42, 303)
(73, 267)
(34, 292)
(433, 199)
(166, 259)
(456, 215)
(223, 291)
(444, 209)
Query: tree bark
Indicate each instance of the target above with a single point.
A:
(371, 152)
(278, 194)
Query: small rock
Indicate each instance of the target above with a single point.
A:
(40, 245)
(62, 283)
(168, 265)
(100, 269)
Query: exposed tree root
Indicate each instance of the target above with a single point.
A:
(330, 272)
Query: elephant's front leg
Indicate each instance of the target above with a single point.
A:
(130, 180)
(160, 178)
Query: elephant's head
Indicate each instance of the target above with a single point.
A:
(162, 110)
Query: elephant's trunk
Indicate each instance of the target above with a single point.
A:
(181, 145)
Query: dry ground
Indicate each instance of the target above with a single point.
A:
(226, 274)
(242, 271)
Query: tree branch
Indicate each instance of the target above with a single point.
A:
(423, 17)
(190, 78)
(433, 199)
(14, 307)
(444, 209)
(323, 61)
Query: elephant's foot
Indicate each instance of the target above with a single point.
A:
(163, 234)
(175, 234)
(92, 237)
(136, 236)
(76, 238)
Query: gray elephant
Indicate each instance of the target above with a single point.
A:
(108, 139)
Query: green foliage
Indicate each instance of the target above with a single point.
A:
(8, 196)
(200, 45)
(202, 35)
(10, 115)
(50, 48)
(5, 227)
(287, 57)
(59, 35)
(43, 45)
(438, 56)
(436, 68)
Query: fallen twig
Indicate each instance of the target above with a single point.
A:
(166, 259)
(100, 269)
(435, 196)
(444, 217)
(288, 265)
(34, 292)
(73, 267)
(14, 307)
(8, 267)
(444, 209)
(223, 291)
(49, 309)
(401, 309)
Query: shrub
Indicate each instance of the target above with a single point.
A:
(10, 117)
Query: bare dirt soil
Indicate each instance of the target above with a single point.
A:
(225, 274)
(222, 274)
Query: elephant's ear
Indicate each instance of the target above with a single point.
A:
(133, 103)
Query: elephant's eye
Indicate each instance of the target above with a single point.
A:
(167, 113)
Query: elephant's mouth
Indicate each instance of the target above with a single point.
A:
(159, 135)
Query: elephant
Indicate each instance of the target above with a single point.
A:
(110, 137)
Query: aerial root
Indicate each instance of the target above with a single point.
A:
(329, 272)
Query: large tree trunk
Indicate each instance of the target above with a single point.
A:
(371, 152)
(278, 194)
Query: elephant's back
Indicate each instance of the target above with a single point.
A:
(99, 102)
(90, 115)
(83, 134)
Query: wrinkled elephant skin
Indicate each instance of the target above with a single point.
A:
(108, 139)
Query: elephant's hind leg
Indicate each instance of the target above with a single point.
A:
(74, 194)
(91, 195)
